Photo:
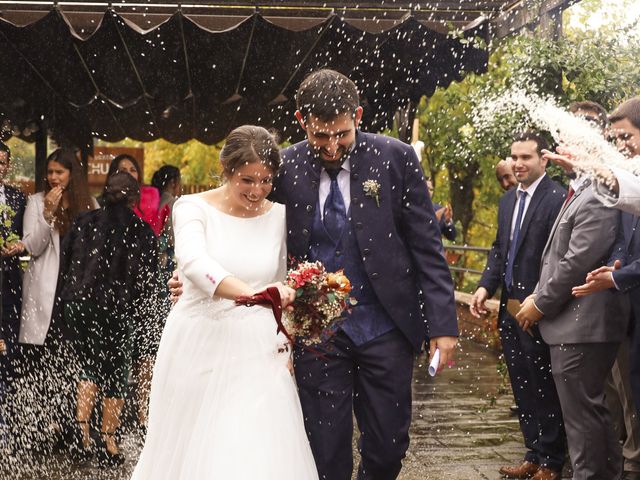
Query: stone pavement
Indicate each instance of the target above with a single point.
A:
(461, 430)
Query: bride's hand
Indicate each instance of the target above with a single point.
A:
(287, 294)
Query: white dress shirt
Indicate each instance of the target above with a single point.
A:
(344, 179)
(531, 189)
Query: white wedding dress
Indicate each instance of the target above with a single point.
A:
(223, 403)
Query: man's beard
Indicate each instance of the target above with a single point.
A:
(334, 164)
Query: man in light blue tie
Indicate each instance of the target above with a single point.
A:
(525, 217)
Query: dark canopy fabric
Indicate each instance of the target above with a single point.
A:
(180, 81)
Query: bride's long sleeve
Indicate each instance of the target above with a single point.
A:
(189, 220)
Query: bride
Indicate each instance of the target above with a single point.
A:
(223, 402)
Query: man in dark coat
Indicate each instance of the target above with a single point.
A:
(525, 217)
(359, 202)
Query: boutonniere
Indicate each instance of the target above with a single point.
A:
(372, 189)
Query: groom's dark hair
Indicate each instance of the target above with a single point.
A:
(325, 94)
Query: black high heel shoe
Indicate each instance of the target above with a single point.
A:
(77, 449)
(106, 458)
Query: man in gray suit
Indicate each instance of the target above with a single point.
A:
(583, 333)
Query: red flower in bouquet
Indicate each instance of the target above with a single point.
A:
(321, 297)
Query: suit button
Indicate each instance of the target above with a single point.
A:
(366, 251)
(374, 275)
(355, 176)
(314, 183)
(354, 200)
(305, 232)
(309, 208)
(338, 253)
(359, 226)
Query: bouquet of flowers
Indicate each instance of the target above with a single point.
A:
(321, 297)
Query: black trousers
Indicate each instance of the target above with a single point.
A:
(374, 382)
(528, 361)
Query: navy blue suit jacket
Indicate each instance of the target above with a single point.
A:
(534, 233)
(12, 275)
(399, 240)
(627, 250)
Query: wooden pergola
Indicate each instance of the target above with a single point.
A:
(158, 69)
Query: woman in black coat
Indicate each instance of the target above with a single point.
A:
(109, 270)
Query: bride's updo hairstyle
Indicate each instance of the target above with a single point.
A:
(249, 144)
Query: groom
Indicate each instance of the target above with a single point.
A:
(359, 202)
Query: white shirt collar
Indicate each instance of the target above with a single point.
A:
(346, 165)
(531, 189)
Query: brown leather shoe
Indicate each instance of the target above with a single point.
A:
(545, 473)
(524, 470)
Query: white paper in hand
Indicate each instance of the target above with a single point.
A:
(435, 361)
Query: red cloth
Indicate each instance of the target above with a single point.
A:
(270, 296)
(148, 209)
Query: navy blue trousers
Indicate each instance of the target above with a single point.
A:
(528, 361)
(374, 382)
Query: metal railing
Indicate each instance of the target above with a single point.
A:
(465, 248)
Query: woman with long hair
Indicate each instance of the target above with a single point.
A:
(41, 406)
(47, 219)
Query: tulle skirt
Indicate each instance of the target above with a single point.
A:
(223, 403)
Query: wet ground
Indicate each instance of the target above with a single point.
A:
(462, 428)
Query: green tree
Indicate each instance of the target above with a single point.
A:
(599, 65)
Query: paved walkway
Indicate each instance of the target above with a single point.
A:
(461, 430)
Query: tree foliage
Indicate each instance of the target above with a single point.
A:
(599, 65)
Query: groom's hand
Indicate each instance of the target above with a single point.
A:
(175, 287)
(446, 345)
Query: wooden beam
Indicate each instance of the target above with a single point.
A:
(523, 15)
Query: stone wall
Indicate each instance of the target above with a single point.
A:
(482, 330)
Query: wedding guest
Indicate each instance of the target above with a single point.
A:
(47, 219)
(623, 270)
(526, 216)
(109, 265)
(147, 325)
(168, 182)
(614, 186)
(583, 333)
(618, 389)
(505, 175)
(148, 207)
(47, 364)
(444, 216)
(14, 199)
